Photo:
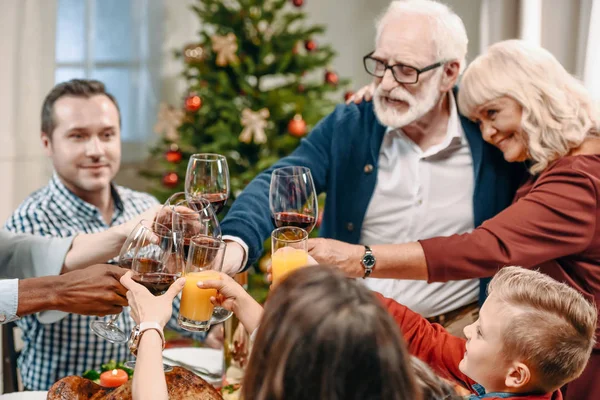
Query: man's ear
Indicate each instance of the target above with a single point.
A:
(518, 376)
(46, 144)
(451, 72)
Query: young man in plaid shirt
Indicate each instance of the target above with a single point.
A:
(81, 134)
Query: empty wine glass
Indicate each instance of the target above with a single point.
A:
(207, 176)
(293, 198)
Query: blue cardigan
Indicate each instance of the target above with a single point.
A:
(342, 152)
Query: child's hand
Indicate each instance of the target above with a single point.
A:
(234, 298)
(230, 292)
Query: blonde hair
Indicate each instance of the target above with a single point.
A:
(558, 112)
(553, 331)
(448, 31)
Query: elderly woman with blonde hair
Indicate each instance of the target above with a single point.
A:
(536, 113)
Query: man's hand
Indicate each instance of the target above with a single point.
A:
(91, 291)
(234, 257)
(150, 214)
(148, 308)
(343, 255)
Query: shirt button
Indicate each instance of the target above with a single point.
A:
(368, 168)
(2, 317)
(350, 226)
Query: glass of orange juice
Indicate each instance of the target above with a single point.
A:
(288, 251)
(205, 260)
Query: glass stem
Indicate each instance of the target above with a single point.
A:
(112, 320)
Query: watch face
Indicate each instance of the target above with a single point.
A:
(369, 260)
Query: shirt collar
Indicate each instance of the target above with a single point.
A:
(454, 132)
(75, 205)
(481, 394)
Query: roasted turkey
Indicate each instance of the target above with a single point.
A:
(181, 385)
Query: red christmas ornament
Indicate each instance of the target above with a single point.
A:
(310, 45)
(193, 103)
(170, 179)
(298, 3)
(297, 126)
(347, 95)
(331, 78)
(173, 155)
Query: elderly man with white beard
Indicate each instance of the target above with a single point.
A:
(404, 167)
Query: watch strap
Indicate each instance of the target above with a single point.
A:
(368, 268)
(137, 332)
(144, 326)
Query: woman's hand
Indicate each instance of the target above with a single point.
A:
(148, 308)
(363, 94)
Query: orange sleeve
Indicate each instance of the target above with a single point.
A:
(429, 342)
(555, 219)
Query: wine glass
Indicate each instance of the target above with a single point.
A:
(207, 176)
(155, 263)
(108, 330)
(154, 260)
(293, 198)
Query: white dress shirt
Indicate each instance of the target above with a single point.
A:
(419, 195)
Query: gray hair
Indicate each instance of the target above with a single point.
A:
(558, 112)
(448, 31)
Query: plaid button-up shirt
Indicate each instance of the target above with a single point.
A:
(69, 347)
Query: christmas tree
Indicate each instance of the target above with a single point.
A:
(258, 81)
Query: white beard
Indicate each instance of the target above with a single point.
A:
(418, 105)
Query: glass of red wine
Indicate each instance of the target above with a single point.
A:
(155, 261)
(195, 219)
(136, 255)
(207, 177)
(293, 199)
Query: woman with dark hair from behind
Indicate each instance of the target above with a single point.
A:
(432, 386)
(322, 336)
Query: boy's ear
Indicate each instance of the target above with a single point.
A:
(519, 375)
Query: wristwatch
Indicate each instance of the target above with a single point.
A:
(138, 331)
(368, 262)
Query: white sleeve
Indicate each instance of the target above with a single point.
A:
(244, 246)
(9, 300)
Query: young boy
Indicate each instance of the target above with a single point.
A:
(533, 335)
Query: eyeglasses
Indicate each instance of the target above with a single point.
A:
(402, 73)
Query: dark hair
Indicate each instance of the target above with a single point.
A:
(324, 336)
(432, 386)
(85, 88)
